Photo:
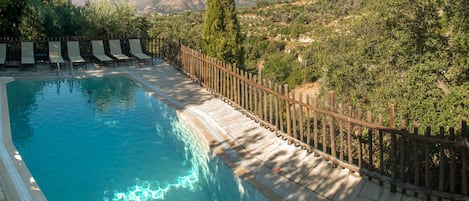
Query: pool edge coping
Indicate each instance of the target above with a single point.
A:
(17, 183)
(209, 128)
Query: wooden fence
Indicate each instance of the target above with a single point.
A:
(426, 165)
(432, 164)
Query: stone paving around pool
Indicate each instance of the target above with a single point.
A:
(281, 171)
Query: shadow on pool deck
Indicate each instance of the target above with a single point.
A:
(168, 80)
(280, 170)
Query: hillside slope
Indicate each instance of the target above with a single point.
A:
(167, 6)
(411, 53)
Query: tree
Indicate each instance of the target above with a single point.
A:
(10, 14)
(456, 16)
(222, 35)
(106, 18)
(50, 19)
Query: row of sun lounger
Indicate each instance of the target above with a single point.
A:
(73, 49)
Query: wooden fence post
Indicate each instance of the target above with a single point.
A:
(217, 77)
(393, 162)
(402, 151)
(308, 124)
(244, 88)
(293, 116)
(209, 75)
(287, 109)
(238, 87)
(341, 135)
(256, 100)
(301, 118)
(331, 125)
(266, 118)
(465, 135)
(224, 82)
(271, 107)
(349, 136)
(277, 109)
(370, 144)
(360, 140)
(280, 110)
(315, 125)
(213, 72)
(441, 179)
(393, 148)
(452, 155)
(260, 99)
(324, 137)
(416, 158)
(231, 83)
(250, 94)
(427, 161)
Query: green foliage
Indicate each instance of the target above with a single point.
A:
(413, 54)
(277, 67)
(401, 55)
(262, 3)
(10, 14)
(258, 47)
(48, 19)
(57, 18)
(104, 18)
(286, 69)
(222, 35)
(187, 27)
(457, 18)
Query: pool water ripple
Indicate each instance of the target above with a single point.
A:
(108, 139)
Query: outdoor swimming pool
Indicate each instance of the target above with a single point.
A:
(109, 139)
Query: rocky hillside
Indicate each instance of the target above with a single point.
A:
(167, 6)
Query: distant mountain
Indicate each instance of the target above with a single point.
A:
(168, 6)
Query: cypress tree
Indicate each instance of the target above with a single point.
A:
(222, 35)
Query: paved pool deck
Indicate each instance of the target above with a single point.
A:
(279, 170)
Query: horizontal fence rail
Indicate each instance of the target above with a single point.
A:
(420, 164)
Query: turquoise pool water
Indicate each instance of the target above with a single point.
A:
(109, 139)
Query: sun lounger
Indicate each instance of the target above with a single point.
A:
(136, 50)
(116, 51)
(27, 54)
(3, 54)
(98, 51)
(73, 49)
(55, 54)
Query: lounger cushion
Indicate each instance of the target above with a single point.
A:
(27, 60)
(116, 50)
(27, 53)
(76, 59)
(141, 56)
(73, 48)
(136, 49)
(103, 58)
(121, 57)
(55, 52)
(98, 51)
